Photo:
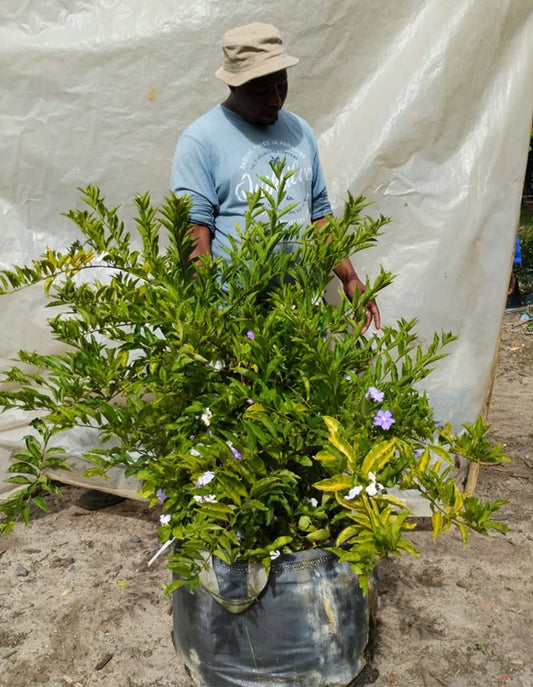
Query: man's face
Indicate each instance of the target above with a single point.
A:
(259, 101)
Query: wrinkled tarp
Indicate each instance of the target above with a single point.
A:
(424, 106)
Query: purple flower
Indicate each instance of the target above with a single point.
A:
(236, 453)
(384, 419)
(250, 334)
(239, 535)
(417, 452)
(161, 495)
(204, 479)
(374, 394)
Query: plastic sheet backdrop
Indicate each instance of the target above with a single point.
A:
(424, 106)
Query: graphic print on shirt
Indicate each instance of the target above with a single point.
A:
(256, 163)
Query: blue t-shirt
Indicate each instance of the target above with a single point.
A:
(218, 159)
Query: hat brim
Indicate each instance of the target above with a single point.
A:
(269, 67)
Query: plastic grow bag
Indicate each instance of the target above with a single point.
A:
(309, 625)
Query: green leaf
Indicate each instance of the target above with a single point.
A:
(232, 487)
(24, 467)
(40, 503)
(379, 455)
(220, 511)
(326, 457)
(253, 504)
(333, 425)
(423, 463)
(437, 522)
(392, 500)
(25, 512)
(336, 483)
(33, 446)
(279, 543)
(175, 585)
(347, 534)
(321, 535)
(343, 446)
(18, 479)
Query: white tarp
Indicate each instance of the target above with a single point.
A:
(424, 106)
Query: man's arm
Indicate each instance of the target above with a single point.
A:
(351, 283)
(201, 237)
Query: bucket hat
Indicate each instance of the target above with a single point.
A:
(252, 51)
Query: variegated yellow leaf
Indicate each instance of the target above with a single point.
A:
(378, 456)
(334, 483)
(436, 521)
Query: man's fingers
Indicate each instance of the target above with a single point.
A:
(371, 313)
(375, 314)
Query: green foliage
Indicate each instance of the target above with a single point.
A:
(524, 272)
(239, 397)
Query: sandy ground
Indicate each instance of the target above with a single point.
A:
(80, 607)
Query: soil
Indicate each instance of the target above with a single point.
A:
(79, 606)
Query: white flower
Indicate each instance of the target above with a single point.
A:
(208, 498)
(206, 417)
(274, 554)
(164, 519)
(354, 491)
(194, 452)
(313, 502)
(374, 488)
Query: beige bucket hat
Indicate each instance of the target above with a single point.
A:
(252, 51)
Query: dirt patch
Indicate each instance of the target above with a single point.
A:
(80, 607)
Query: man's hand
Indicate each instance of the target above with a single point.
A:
(350, 287)
(351, 283)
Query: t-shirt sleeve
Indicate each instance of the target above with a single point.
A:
(321, 205)
(192, 175)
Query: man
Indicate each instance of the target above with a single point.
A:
(221, 155)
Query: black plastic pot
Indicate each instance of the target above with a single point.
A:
(309, 626)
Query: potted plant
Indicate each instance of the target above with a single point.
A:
(275, 436)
